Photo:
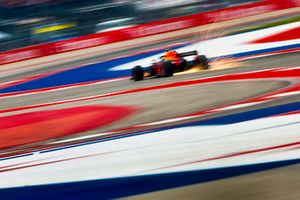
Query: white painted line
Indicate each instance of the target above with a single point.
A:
(81, 138)
(237, 106)
(168, 121)
(289, 68)
(285, 94)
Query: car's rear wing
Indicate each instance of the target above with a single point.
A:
(189, 53)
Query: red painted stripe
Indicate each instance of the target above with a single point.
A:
(41, 126)
(294, 144)
(12, 167)
(18, 164)
(290, 113)
(292, 34)
(8, 168)
(231, 155)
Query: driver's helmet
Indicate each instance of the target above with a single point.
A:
(170, 55)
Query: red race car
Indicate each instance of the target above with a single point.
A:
(169, 64)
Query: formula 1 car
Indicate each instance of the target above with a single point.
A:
(163, 68)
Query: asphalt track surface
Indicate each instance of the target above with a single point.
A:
(163, 104)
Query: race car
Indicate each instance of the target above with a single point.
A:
(166, 67)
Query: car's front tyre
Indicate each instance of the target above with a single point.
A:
(202, 61)
(137, 73)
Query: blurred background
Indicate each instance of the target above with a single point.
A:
(30, 22)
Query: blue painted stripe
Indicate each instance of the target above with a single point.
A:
(251, 115)
(17, 156)
(128, 186)
(264, 51)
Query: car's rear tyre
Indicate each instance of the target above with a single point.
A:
(168, 69)
(183, 65)
(137, 73)
(202, 61)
